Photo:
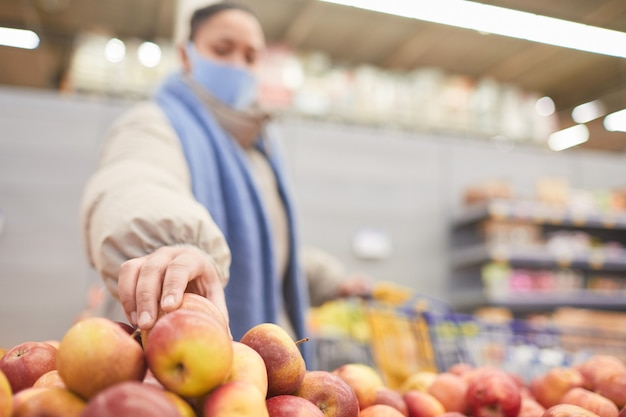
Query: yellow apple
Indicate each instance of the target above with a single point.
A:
(184, 407)
(50, 402)
(418, 381)
(248, 366)
(363, 379)
(6, 396)
(189, 353)
(281, 355)
(235, 399)
(50, 379)
(96, 353)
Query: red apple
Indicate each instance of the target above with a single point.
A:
(24, 363)
(24, 395)
(235, 399)
(96, 353)
(291, 406)
(388, 396)
(248, 366)
(363, 379)
(568, 410)
(453, 414)
(50, 402)
(380, 410)
(6, 396)
(189, 352)
(492, 393)
(530, 407)
(591, 401)
(283, 360)
(596, 366)
(50, 379)
(450, 390)
(549, 387)
(131, 398)
(329, 393)
(422, 404)
(612, 385)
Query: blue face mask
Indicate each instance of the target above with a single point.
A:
(231, 85)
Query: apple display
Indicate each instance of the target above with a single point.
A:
(286, 405)
(248, 366)
(549, 387)
(50, 379)
(329, 393)
(235, 399)
(189, 353)
(50, 402)
(96, 353)
(24, 363)
(283, 360)
(422, 404)
(450, 390)
(568, 410)
(131, 398)
(591, 401)
(492, 392)
(389, 396)
(380, 410)
(6, 396)
(363, 379)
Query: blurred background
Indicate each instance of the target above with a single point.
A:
(401, 133)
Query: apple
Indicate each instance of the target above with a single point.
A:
(24, 395)
(612, 385)
(450, 390)
(235, 399)
(96, 353)
(418, 381)
(549, 387)
(151, 379)
(24, 363)
(50, 402)
(189, 353)
(422, 404)
(286, 405)
(53, 342)
(193, 302)
(2, 352)
(6, 396)
(568, 410)
(50, 379)
(596, 365)
(283, 360)
(530, 407)
(248, 366)
(329, 393)
(131, 398)
(492, 392)
(363, 379)
(183, 405)
(380, 410)
(591, 401)
(389, 396)
(453, 414)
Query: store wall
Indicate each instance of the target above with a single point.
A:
(346, 179)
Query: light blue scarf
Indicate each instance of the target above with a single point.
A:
(223, 182)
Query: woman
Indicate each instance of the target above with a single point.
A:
(190, 193)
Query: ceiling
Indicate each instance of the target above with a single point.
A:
(353, 36)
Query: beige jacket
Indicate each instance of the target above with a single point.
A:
(141, 166)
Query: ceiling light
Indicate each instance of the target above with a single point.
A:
(544, 106)
(587, 112)
(115, 50)
(502, 21)
(569, 137)
(616, 122)
(149, 54)
(18, 38)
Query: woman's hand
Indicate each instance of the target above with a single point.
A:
(162, 277)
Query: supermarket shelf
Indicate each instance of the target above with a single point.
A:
(539, 213)
(539, 258)
(533, 301)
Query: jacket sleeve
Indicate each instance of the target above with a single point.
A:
(139, 198)
(323, 273)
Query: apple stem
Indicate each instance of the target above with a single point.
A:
(306, 339)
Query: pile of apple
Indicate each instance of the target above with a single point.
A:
(188, 365)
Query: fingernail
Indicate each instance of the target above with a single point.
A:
(168, 301)
(144, 319)
(133, 317)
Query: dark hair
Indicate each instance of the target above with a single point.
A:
(202, 15)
